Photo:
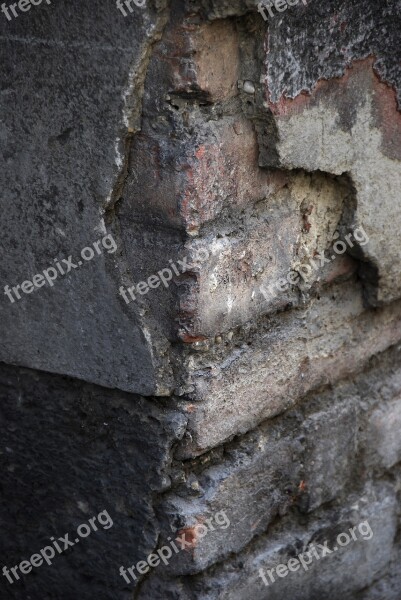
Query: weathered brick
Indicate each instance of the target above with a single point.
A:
(383, 439)
(210, 64)
(350, 569)
(188, 124)
(339, 574)
(258, 246)
(276, 468)
(283, 360)
(186, 181)
(265, 469)
(330, 455)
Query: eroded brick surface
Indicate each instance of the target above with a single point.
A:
(261, 144)
(238, 384)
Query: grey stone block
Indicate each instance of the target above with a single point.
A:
(72, 87)
(70, 450)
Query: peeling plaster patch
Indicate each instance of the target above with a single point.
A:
(331, 47)
(343, 127)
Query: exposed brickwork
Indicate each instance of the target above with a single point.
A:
(259, 143)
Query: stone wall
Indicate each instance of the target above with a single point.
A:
(237, 353)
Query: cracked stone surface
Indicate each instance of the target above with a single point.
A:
(199, 127)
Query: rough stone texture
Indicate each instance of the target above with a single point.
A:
(306, 458)
(185, 127)
(323, 39)
(388, 586)
(72, 79)
(70, 450)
